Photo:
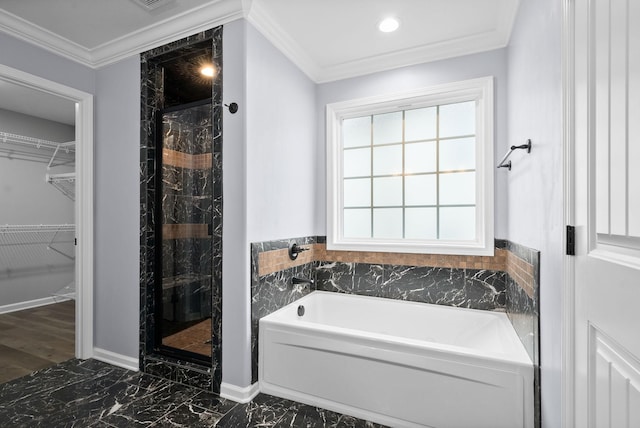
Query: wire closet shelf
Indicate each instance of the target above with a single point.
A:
(14, 146)
(37, 249)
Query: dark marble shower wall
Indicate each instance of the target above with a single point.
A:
(194, 183)
(454, 281)
(187, 193)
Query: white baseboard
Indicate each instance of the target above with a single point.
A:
(238, 394)
(29, 304)
(119, 360)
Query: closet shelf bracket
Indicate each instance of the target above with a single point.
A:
(65, 183)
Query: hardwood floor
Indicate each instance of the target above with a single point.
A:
(36, 338)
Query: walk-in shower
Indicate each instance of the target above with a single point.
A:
(181, 210)
(184, 268)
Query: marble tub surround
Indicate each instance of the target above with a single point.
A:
(523, 265)
(273, 256)
(79, 393)
(278, 260)
(523, 285)
(507, 281)
(523, 304)
(495, 262)
(273, 289)
(468, 288)
(275, 259)
(191, 203)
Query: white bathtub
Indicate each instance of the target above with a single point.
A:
(398, 363)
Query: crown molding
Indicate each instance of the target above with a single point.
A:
(166, 31)
(438, 51)
(169, 30)
(260, 18)
(36, 35)
(223, 11)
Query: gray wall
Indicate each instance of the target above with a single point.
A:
(40, 62)
(26, 198)
(492, 63)
(117, 204)
(269, 172)
(236, 368)
(535, 203)
(281, 144)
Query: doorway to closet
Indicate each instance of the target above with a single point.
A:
(46, 254)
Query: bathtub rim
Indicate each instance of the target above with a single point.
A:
(520, 358)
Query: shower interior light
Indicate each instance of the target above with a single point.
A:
(207, 70)
(388, 25)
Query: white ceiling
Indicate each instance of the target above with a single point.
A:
(327, 39)
(336, 39)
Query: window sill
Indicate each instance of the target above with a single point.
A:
(380, 246)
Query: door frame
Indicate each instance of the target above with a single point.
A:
(84, 198)
(568, 331)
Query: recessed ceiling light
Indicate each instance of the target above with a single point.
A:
(388, 25)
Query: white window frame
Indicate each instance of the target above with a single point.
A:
(479, 90)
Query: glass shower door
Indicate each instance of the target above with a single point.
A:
(183, 302)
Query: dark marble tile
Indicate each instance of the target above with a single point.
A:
(147, 382)
(473, 289)
(81, 390)
(522, 313)
(196, 378)
(188, 416)
(41, 381)
(212, 402)
(140, 400)
(263, 411)
(304, 416)
(352, 278)
(486, 289)
(272, 292)
(276, 290)
(151, 407)
(102, 367)
(155, 366)
(33, 411)
(80, 411)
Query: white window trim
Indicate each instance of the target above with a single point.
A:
(480, 90)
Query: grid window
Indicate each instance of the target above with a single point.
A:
(412, 172)
(422, 159)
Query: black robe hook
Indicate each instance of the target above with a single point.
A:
(233, 107)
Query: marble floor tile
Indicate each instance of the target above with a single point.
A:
(304, 416)
(263, 411)
(188, 416)
(212, 402)
(93, 394)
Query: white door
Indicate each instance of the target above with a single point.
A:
(607, 213)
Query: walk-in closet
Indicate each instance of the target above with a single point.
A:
(37, 230)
